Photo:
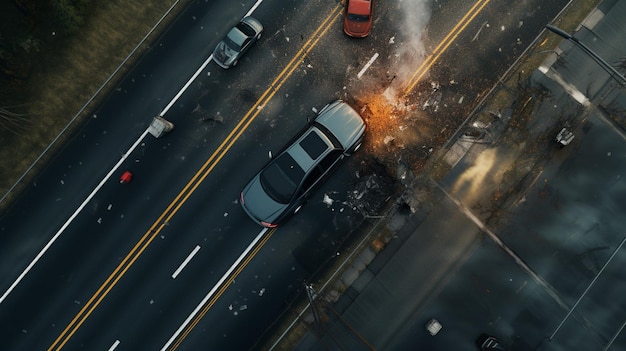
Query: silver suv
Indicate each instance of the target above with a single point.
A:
(283, 185)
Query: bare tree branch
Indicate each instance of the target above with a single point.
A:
(14, 122)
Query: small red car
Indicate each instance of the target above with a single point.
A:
(126, 177)
(357, 20)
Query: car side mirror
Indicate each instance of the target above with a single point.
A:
(309, 119)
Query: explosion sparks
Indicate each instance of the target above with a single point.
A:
(398, 131)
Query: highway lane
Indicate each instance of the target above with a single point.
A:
(188, 147)
(91, 152)
(213, 331)
(314, 229)
(58, 191)
(223, 225)
(110, 233)
(74, 243)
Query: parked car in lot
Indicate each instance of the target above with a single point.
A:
(357, 19)
(238, 40)
(284, 184)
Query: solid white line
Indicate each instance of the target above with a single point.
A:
(117, 165)
(367, 65)
(253, 8)
(74, 215)
(182, 265)
(79, 113)
(181, 91)
(214, 289)
(93, 193)
(114, 346)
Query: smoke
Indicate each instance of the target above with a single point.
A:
(398, 133)
(410, 51)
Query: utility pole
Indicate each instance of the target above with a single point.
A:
(612, 71)
(311, 295)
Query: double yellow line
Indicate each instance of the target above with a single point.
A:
(444, 44)
(189, 188)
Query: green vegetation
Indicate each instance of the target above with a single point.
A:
(30, 29)
(54, 55)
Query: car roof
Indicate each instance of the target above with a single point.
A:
(342, 121)
(359, 7)
(312, 145)
(236, 35)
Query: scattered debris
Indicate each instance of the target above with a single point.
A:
(433, 327)
(327, 200)
(217, 119)
(160, 126)
(564, 137)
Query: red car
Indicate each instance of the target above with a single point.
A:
(357, 20)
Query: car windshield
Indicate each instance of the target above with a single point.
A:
(281, 179)
(235, 39)
(358, 18)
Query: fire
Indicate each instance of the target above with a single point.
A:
(397, 129)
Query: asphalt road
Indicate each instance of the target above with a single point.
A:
(545, 273)
(141, 305)
(84, 293)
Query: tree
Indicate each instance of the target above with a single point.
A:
(70, 14)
